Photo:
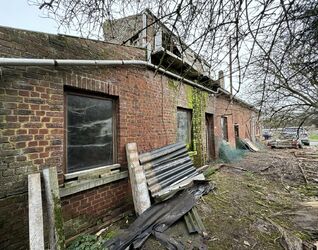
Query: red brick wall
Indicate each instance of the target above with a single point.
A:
(32, 123)
(33, 135)
(14, 222)
(85, 209)
(236, 114)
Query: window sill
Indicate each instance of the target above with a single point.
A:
(88, 179)
(93, 173)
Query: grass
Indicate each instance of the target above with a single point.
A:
(239, 208)
(313, 137)
(93, 242)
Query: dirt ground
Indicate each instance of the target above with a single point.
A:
(260, 202)
(265, 206)
(266, 200)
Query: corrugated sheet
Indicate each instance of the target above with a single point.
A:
(194, 222)
(167, 166)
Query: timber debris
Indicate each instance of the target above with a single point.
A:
(174, 184)
(158, 218)
(249, 145)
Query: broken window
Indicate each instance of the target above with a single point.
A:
(90, 133)
(225, 135)
(184, 122)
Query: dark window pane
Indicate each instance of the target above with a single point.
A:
(89, 132)
(184, 126)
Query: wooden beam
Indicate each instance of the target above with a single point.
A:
(36, 236)
(137, 180)
(55, 218)
(80, 186)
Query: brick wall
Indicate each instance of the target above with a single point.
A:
(32, 123)
(236, 113)
(32, 133)
(95, 206)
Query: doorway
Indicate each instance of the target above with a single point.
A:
(210, 145)
(237, 134)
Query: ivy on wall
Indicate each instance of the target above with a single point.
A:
(197, 101)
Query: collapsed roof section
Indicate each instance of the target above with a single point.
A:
(164, 47)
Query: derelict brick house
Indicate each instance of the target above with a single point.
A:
(81, 117)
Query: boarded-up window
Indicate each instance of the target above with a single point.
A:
(184, 121)
(90, 133)
(225, 135)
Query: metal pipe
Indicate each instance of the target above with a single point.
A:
(75, 62)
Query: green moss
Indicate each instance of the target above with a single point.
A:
(303, 236)
(308, 190)
(189, 96)
(196, 100)
(173, 85)
(110, 234)
(313, 137)
(199, 100)
(58, 217)
(208, 172)
(87, 242)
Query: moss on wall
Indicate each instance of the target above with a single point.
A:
(173, 85)
(59, 225)
(197, 101)
(189, 95)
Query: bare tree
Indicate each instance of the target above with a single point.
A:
(273, 43)
(290, 87)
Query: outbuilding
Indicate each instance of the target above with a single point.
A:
(74, 104)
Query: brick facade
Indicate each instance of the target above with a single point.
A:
(32, 123)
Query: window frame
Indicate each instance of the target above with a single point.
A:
(89, 94)
(189, 122)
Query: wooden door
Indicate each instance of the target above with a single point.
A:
(210, 144)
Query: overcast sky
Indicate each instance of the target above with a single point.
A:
(20, 14)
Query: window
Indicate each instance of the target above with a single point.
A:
(90, 132)
(225, 135)
(184, 121)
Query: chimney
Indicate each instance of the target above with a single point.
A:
(221, 79)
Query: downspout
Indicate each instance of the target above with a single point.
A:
(71, 62)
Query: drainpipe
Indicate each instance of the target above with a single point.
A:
(75, 62)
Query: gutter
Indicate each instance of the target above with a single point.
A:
(75, 62)
(78, 62)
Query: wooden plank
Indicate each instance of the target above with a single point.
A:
(36, 236)
(137, 180)
(94, 171)
(83, 185)
(55, 218)
(250, 144)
